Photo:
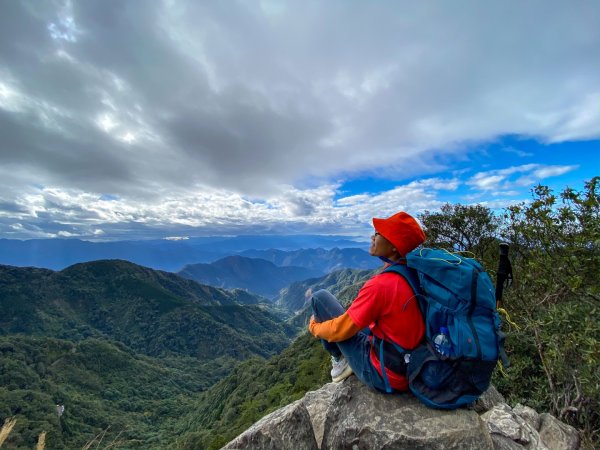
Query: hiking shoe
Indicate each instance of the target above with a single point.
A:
(340, 369)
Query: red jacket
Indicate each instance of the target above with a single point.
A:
(387, 305)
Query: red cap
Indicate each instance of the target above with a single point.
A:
(402, 230)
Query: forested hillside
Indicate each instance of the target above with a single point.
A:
(120, 346)
(103, 386)
(152, 312)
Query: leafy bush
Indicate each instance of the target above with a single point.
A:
(555, 299)
(556, 247)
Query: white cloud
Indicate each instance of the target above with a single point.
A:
(552, 171)
(486, 181)
(503, 179)
(148, 101)
(251, 85)
(71, 213)
(578, 121)
(106, 122)
(516, 151)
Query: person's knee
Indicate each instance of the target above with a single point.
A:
(325, 306)
(322, 297)
(323, 293)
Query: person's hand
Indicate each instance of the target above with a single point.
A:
(311, 325)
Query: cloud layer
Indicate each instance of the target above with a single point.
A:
(49, 213)
(206, 114)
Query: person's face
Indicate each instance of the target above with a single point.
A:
(380, 246)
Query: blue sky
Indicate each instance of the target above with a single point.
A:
(152, 119)
(521, 164)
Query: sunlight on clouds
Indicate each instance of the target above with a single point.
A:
(32, 204)
(205, 210)
(128, 138)
(10, 98)
(106, 122)
(14, 100)
(64, 55)
(5, 93)
(83, 214)
(66, 234)
(65, 28)
(111, 126)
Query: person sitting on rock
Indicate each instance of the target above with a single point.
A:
(385, 308)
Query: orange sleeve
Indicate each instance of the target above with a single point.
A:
(334, 330)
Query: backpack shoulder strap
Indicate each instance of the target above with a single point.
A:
(410, 275)
(413, 281)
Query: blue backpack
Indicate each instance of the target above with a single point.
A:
(455, 293)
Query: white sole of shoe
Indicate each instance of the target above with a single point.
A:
(342, 376)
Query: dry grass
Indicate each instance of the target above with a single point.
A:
(9, 424)
(6, 429)
(99, 438)
(41, 443)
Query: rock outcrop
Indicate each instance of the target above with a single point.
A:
(348, 415)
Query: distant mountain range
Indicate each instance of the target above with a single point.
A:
(165, 254)
(319, 259)
(256, 275)
(273, 270)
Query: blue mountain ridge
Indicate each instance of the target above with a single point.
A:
(163, 254)
(255, 275)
